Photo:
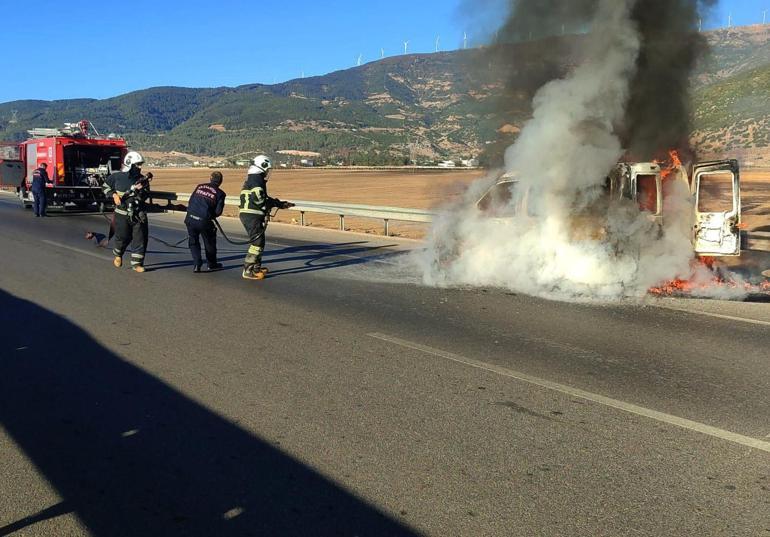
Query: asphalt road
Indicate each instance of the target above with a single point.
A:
(339, 397)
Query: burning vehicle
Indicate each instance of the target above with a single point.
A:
(586, 213)
(714, 187)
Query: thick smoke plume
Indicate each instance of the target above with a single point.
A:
(560, 235)
(658, 115)
(669, 48)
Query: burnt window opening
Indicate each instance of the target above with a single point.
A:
(497, 200)
(647, 192)
(715, 193)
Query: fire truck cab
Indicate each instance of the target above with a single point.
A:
(79, 160)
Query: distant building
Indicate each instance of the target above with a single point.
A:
(307, 162)
(447, 164)
(242, 163)
(470, 163)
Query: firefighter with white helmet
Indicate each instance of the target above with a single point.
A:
(254, 212)
(132, 158)
(129, 189)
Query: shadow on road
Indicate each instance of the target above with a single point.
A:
(131, 456)
(330, 260)
(314, 257)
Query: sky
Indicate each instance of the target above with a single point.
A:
(98, 49)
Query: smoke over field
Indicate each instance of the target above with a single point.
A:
(556, 233)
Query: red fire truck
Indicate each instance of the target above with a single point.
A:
(79, 160)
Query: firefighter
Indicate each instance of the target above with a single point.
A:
(254, 213)
(39, 181)
(129, 190)
(206, 203)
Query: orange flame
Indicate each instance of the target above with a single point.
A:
(681, 287)
(672, 164)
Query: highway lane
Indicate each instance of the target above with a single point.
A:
(368, 384)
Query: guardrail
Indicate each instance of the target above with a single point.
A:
(341, 210)
(754, 240)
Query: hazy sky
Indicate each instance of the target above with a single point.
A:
(57, 50)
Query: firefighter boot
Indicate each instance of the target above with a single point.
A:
(253, 273)
(118, 261)
(248, 275)
(139, 268)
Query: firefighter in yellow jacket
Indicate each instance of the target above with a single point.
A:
(255, 206)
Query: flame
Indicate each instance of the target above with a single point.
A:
(679, 287)
(719, 279)
(668, 167)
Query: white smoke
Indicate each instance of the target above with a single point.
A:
(561, 161)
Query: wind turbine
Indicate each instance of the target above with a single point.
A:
(406, 46)
(360, 57)
(700, 25)
(14, 116)
(382, 53)
(730, 20)
(465, 40)
(438, 42)
(764, 17)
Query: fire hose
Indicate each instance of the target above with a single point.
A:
(177, 244)
(224, 235)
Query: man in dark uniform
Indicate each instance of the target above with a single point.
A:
(39, 181)
(129, 190)
(254, 211)
(206, 203)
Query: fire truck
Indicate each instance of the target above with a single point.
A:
(79, 160)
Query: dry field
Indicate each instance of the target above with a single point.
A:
(419, 189)
(755, 198)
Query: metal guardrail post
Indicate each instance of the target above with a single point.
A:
(342, 222)
(302, 218)
(387, 233)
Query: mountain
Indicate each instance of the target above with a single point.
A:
(732, 98)
(420, 106)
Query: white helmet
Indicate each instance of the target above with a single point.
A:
(132, 158)
(263, 163)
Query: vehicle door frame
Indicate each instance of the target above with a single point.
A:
(728, 222)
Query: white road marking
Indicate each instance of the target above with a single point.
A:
(78, 250)
(715, 315)
(736, 438)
